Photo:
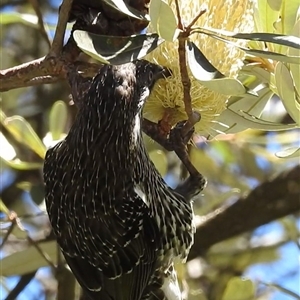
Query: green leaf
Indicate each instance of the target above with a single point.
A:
(17, 231)
(244, 113)
(3, 207)
(286, 91)
(257, 52)
(21, 165)
(273, 55)
(261, 124)
(252, 105)
(255, 70)
(280, 39)
(163, 20)
(26, 19)
(58, 119)
(233, 122)
(115, 49)
(28, 260)
(239, 289)
(275, 4)
(294, 68)
(288, 15)
(264, 16)
(24, 133)
(126, 9)
(289, 153)
(209, 76)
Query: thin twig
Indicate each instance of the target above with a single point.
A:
(44, 255)
(200, 13)
(186, 82)
(9, 231)
(36, 7)
(58, 40)
(180, 25)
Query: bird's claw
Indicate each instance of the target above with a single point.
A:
(177, 140)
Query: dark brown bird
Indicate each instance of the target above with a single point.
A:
(119, 226)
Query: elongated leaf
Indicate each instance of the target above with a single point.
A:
(280, 39)
(288, 15)
(58, 119)
(28, 260)
(257, 52)
(115, 49)
(163, 20)
(17, 231)
(3, 207)
(289, 153)
(252, 105)
(26, 19)
(209, 76)
(261, 124)
(13, 17)
(121, 6)
(239, 289)
(275, 4)
(285, 87)
(232, 122)
(272, 55)
(264, 16)
(22, 165)
(295, 69)
(24, 133)
(257, 71)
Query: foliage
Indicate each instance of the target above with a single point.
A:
(259, 116)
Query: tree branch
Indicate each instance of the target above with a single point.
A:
(58, 39)
(32, 73)
(269, 201)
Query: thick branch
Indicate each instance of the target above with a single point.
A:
(269, 201)
(32, 73)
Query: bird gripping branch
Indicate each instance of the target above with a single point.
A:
(118, 224)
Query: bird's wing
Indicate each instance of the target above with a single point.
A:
(121, 258)
(112, 252)
(126, 272)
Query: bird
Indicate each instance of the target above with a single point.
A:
(119, 225)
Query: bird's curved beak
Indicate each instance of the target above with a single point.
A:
(164, 73)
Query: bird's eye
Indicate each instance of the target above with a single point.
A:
(150, 76)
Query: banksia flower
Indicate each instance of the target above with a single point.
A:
(166, 100)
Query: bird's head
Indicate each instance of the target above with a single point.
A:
(134, 82)
(115, 97)
(147, 74)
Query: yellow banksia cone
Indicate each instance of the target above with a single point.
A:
(166, 100)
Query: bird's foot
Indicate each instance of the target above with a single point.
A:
(195, 183)
(177, 140)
